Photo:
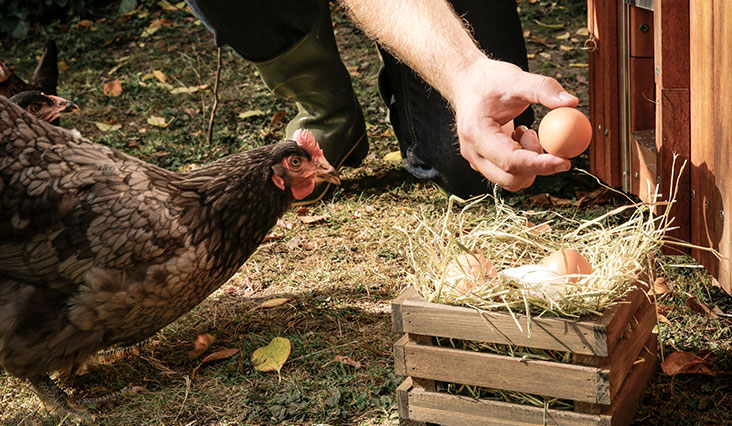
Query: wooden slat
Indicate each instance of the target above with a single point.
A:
(451, 410)
(620, 362)
(711, 133)
(498, 327)
(402, 393)
(409, 293)
(400, 361)
(671, 21)
(596, 94)
(605, 91)
(626, 401)
(673, 139)
(566, 381)
(616, 319)
(641, 42)
(642, 94)
(643, 164)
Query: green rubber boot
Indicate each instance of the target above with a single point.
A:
(312, 74)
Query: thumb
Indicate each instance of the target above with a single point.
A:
(548, 92)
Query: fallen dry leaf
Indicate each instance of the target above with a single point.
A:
(201, 344)
(353, 70)
(302, 211)
(273, 356)
(309, 220)
(167, 6)
(698, 306)
(685, 363)
(271, 303)
(159, 75)
(541, 199)
(284, 224)
(663, 309)
(394, 156)
(538, 229)
(551, 26)
(277, 117)
(663, 319)
(660, 287)
(157, 121)
(251, 113)
(107, 127)
(113, 88)
(274, 236)
(557, 201)
(222, 354)
(344, 360)
(84, 23)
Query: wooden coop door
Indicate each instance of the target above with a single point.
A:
(711, 134)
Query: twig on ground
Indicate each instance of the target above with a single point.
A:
(216, 96)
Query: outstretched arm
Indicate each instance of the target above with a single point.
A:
(485, 94)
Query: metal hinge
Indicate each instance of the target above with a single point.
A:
(643, 4)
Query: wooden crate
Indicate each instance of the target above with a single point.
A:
(613, 357)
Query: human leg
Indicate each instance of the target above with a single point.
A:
(291, 43)
(422, 119)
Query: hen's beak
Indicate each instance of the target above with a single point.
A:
(64, 105)
(326, 173)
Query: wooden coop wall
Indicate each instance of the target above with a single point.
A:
(711, 133)
(660, 84)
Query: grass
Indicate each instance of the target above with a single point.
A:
(340, 274)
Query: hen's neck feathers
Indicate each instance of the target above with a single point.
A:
(232, 203)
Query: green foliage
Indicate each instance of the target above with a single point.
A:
(18, 15)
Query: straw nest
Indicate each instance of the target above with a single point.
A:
(459, 258)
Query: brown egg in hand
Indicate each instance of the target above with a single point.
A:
(565, 132)
(568, 262)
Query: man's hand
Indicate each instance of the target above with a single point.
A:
(492, 93)
(485, 93)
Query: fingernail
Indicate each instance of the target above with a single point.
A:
(565, 97)
(561, 169)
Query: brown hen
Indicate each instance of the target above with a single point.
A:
(98, 248)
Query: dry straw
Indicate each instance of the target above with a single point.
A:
(619, 244)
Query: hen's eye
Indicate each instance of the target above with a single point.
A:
(295, 162)
(35, 108)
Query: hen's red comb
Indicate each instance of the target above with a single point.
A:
(305, 139)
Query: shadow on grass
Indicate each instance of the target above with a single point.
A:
(315, 386)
